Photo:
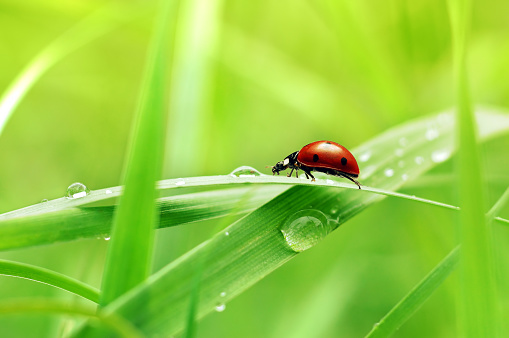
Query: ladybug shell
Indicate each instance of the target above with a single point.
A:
(330, 155)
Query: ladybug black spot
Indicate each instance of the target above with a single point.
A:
(343, 161)
(315, 158)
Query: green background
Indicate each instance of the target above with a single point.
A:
(281, 74)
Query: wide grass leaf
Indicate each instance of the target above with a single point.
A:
(252, 247)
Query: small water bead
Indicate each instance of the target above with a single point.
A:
(44, 200)
(77, 190)
(220, 307)
(404, 177)
(108, 191)
(440, 155)
(431, 134)
(329, 181)
(398, 152)
(245, 171)
(403, 142)
(419, 160)
(222, 294)
(389, 172)
(365, 157)
(227, 233)
(180, 182)
(107, 238)
(305, 229)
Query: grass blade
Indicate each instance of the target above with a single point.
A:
(47, 226)
(84, 32)
(117, 324)
(128, 259)
(478, 308)
(52, 278)
(416, 297)
(256, 246)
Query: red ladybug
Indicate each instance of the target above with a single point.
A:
(324, 156)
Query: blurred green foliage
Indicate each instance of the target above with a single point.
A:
(281, 74)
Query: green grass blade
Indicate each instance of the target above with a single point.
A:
(118, 325)
(48, 226)
(255, 245)
(52, 278)
(89, 29)
(416, 298)
(478, 308)
(128, 260)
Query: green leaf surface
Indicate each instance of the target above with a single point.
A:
(254, 246)
(54, 221)
(45, 276)
(129, 256)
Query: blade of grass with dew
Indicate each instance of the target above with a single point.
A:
(128, 259)
(255, 245)
(478, 308)
(89, 29)
(116, 324)
(54, 223)
(52, 278)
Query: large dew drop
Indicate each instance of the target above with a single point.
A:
(245, 171)
(305, 229)
(77, 190)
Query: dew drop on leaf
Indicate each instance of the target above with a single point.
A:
(180, 182)
(305, 229)
(245, 171)
(77, 190)
(389, 172)
(365, 157)
(220, 307)
(440, 156)
(419, 160)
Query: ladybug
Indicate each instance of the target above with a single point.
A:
(323, 156)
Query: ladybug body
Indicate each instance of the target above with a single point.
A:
(324, 156)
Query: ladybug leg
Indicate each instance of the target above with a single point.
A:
(307, 176)
(297, 173)
(308, 172)
(291, 172)
(352, 179)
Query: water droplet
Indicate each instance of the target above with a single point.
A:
(245, 171)
(398, 152)
(365, 157)
(401, 163)
(404, 177)
(389, 172)
(44, 200)
(180, 182)
(440, 155)
(227, 233)
(108, 191)
(431, 134)
(329, 181)
(305, 229)
(107, 238)
(419, 160)
(403, 142)
(77, 190)
(333, 211)
(220, 307)
(222, 294)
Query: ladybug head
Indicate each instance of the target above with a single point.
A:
(289, 161)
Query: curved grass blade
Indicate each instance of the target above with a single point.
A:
(256, 246)
(89, 29)
(118, 325)
(49, 226)
(52, 278)
(129, 255)
(416, 297)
